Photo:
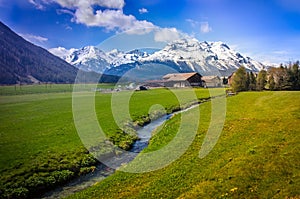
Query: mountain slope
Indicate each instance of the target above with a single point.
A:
(23, 62)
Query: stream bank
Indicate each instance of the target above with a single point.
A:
(101, 171)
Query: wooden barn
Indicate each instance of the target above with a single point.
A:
(182, 80)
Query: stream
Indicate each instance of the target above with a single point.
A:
(102, 171)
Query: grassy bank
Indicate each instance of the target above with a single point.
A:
(257, 156)
(40, 147)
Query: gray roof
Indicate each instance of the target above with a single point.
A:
(210, 78)
(179, 76)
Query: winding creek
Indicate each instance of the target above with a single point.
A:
(102, 171)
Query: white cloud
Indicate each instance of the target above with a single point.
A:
(192, 22)
(143, 11)
(205, 28)
(280, 52)
(115, 4)
(166, 35)
(204, 25)
(38, 4)
(34, 38)
(275, 57)
(61, 51)
(140, 31)
(64, 11)
(111, 17)
(67, 27)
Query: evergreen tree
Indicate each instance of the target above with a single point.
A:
(252, 82)
(294, 76)
(225, 81)
(247, 81)
(296, 70)
(239, 80)
(285, 78)
(271, 82)
(261, 80)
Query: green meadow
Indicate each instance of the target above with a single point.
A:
(47, 88)
(40, 148)
(257, 155)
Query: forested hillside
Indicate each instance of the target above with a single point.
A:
(23, 62)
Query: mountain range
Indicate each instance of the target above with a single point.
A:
(24, 62)
(184, 55)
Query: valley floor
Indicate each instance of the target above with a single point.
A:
(256, 156)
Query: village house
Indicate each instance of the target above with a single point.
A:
(182, 80)
(211, 81)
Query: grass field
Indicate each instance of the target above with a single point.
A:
(40, 147)
(257, 155)
(47, 88)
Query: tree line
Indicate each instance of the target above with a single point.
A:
(282, 78)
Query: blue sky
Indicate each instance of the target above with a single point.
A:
(266, 30)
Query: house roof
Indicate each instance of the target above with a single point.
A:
(210, 78)
(179, 76)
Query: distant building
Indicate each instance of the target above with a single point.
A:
(211, 81)
(154, 83)
(182, 80)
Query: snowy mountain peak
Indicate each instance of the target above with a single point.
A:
(88, 58)
(113, 52)
(220, 44)
(183, 45)
(90, 52)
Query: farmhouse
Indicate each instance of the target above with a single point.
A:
(182, 79)
(211, 81)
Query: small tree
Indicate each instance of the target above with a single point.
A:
(271, 82)
(285, 78)
(225, 81)
(247, 81)
(261, 80)
(239, 80)
(293, 72)
(252, 82)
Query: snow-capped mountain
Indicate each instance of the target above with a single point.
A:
(184, 55)
(91, 58)
(88, 58)
(119, 58)
(203, 57)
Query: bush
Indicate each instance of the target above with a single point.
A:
(62, 176)
(17, 193)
